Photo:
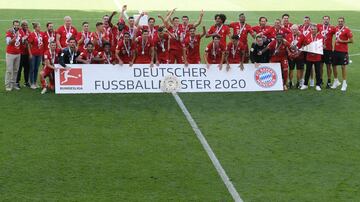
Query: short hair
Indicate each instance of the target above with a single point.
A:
(84, 23)
(160, 29)
(174, 18)
(48, 23)
(294, 26)
(192, 27)
(23, 22)
(185, 16)
(341, 18)
(277, 20)
(131, 18)
(151, 19)
(235, 37)
(72, 39)
(216, 37)
(99, 24)
(285, 15)
(241, 14)
(90, 43)
(67, 18)
(35, 24)
(144, 30)
(105, 16)
(262, 17)
(258, 36)
(326, 16)
(313, 25)
(221, 16)
(307, 17)
(16, 21)
(107, 44)
(126, 33)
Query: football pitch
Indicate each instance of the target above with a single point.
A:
(279, 146)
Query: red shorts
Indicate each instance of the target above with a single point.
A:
(143, 59)
(176, 55)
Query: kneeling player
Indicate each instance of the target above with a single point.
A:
(107, 56)
(50, 58)
(89, 55)
(235, 52)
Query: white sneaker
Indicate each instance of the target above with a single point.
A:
(318, 88)
(44, 90)
(304, 87)
(33, 86)
(16, 87)
(335, 84)
(312, 83)
(8, 89)
(343, 87)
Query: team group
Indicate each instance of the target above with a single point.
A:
(129, 42)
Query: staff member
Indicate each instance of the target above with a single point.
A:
(69, 54)
(256, 47)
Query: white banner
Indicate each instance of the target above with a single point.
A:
(314, 47)
(82, 78)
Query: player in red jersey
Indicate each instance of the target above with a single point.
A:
(161, 46)
(99, 37)
(215, 52)
(131, 28)
(151, 27)
(305, 28)
(65, 32)
(235, 52)
(277, 29)
(219, 29)
(125, 50)
(327, 31)
(262, 28)
(36, 44)
(49, 35)
(186, 25)
(83, 37)
(313, 59)
(343, 36)
(175, 49)
(13, 51)
(242, 29)
(107, 56)
(279, 49)
(191, 49)
(110, 29)
(50, 59)
(296, 57)
(144, 47)
(89, 55)
(285, 21)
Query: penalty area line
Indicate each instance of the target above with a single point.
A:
(229, 185)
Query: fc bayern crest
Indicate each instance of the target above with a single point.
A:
(265, 77)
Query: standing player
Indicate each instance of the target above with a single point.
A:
(144, 49)
(50, 59)
(185, 25)
(285, 21)
(25, 56)
(175, 49)
(327, 31)
(219, 29)
(235, 52)
(276, 29)
(215, 53)
(13, 50)
(125, 50)
(65, 32)
(36, 45)
(83, 37)
(161, 47)
(279, 49)
(305, 28)
(99, 37)
(151, 27)
(49, 35)
(242, 29)
(296, 57)
(313, 59)
(343, 36)
(191, 49)
(132, 29)
(262, 28)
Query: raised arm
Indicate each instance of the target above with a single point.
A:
(200, 19)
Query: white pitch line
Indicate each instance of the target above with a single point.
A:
(229, 185)
(356, 54)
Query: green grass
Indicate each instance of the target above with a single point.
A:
(293, 146)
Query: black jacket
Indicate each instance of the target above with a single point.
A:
(254, 57)
(68, 57)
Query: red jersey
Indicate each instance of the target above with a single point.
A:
(185, 29)
(53, 57)
(272, 32)
(242, 31)
(235, 52)
(305, 30)
(262, 29)
(85, 55)
(25, 36)
(223, 31)
(288, 26)
(47, 38)
(312, 57)
(327, 32)
(192, 45)
(296, 42)
(15, 47)
(161, 46)
(214, 53)
(108, 58)
(343, 33)
(66, 34)
(125, 50)
(152, 31)
(99, 38)
(87, 38)
(176, 44)
(36, 43)
(143, 49)
(279, 51)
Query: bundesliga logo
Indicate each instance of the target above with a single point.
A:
(265, 77)
(71, 77)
